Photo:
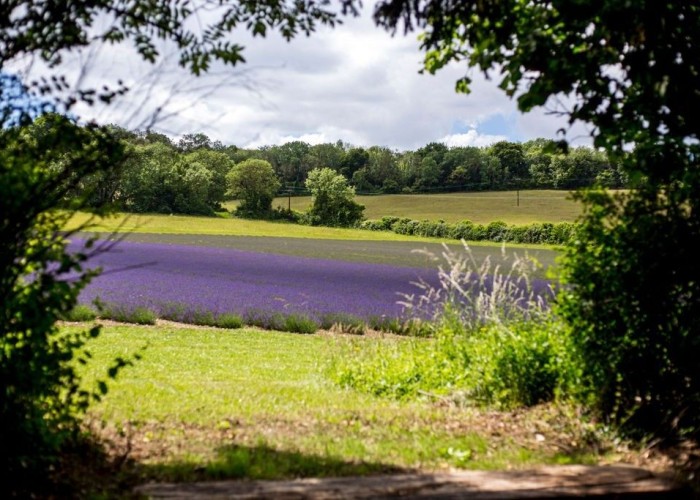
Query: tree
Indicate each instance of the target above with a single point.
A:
(42, 166)
(538, 154)
(381, 167)
(218, 164)
(632, 71)
(255, 184)
(353, 160)
(512, 159)
(433, 171)
(150, 179)
(466, 165)
(333, 199)
(193, 142)
(330, 155)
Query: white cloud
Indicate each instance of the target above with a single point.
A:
(353, 83)
(471, 138)
(271, 136)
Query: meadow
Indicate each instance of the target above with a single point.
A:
(525, 207)
(209, 403)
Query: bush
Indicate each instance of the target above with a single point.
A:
(522, 366)
(333, 200)
(42, 165)
(230, 321)
(633, 301)
(383, 224)
(80, 313)
(498, 231)
(299, 323)
(125, 314)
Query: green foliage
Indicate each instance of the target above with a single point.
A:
(157, 178)
(125, 314)
(80, 312)
(52, 167)
(633, 303)
(254, 183)
(229, 321)
(498, 231)
(524, 365)
(399, 326)
(49, 30)
(41, 166)
(299, 323)
(512, 160)
(333, 203)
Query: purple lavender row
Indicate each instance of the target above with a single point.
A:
(225, 280)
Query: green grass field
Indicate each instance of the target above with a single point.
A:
(480, 207)
(190, 225)
(207, 403)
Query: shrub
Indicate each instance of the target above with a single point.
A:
(125, 314)
(80, 313)
(230, 321)
(299, 323)
(497, 231)
(463, 230)
(383, 224)
(42, 166)
(521, 366)
(633, 301)
(439, 229)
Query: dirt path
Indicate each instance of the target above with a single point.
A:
(572, 481)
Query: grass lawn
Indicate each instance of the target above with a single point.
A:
(480, 207)
(185, 224)
(207, 403)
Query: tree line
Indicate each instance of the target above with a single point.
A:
(188, 175)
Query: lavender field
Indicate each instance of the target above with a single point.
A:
(222, 280)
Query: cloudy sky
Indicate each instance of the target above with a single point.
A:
(354, 83)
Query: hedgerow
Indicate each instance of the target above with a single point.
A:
(497, 231)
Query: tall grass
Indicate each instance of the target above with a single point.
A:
(495, 341)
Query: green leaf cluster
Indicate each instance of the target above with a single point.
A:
(40, 398)
(332, 198)
(254, 183)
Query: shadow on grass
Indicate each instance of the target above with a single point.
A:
(86, 471)
(259, 462)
